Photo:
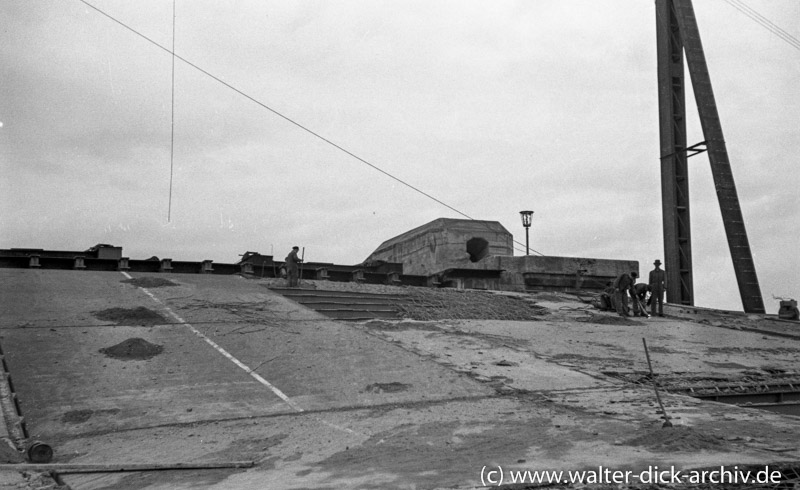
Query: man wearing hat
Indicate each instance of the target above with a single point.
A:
(291, 267)
(658, 283)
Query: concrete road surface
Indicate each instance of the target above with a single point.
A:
(242, 374)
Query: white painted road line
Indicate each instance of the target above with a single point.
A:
(222, 351)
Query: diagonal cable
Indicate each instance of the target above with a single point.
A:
(764, 22)
(282, 116)
(263, 105)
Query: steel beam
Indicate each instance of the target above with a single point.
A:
(732, 218)
(674, 172)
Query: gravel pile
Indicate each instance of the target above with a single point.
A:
(135, 349)
(441, 304)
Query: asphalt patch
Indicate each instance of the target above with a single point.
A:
(81, 416)
(134, 349)
(727, 365)
(393, 387)
(130, 316)
(150, 282)
(678, 438)
(740, 350)
(610, 320)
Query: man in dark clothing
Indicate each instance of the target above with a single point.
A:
(622, 286)
(291, 267)
(658, 283)
(607, 298)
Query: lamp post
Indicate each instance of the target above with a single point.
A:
(526, 222)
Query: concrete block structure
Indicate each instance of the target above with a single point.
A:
(479, 255)
(532, 272)
(445, 244)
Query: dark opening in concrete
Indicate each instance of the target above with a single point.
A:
(477, 248)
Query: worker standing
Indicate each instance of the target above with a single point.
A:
(658, 283)
(291, 267)
(622, 286)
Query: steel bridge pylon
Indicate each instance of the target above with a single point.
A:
(679, 36)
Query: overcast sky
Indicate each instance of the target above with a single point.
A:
(491, 107)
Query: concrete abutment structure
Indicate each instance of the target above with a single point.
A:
(479, 254)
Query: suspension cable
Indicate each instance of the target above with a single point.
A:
(279, 114)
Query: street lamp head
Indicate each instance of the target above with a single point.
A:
(526, 218)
